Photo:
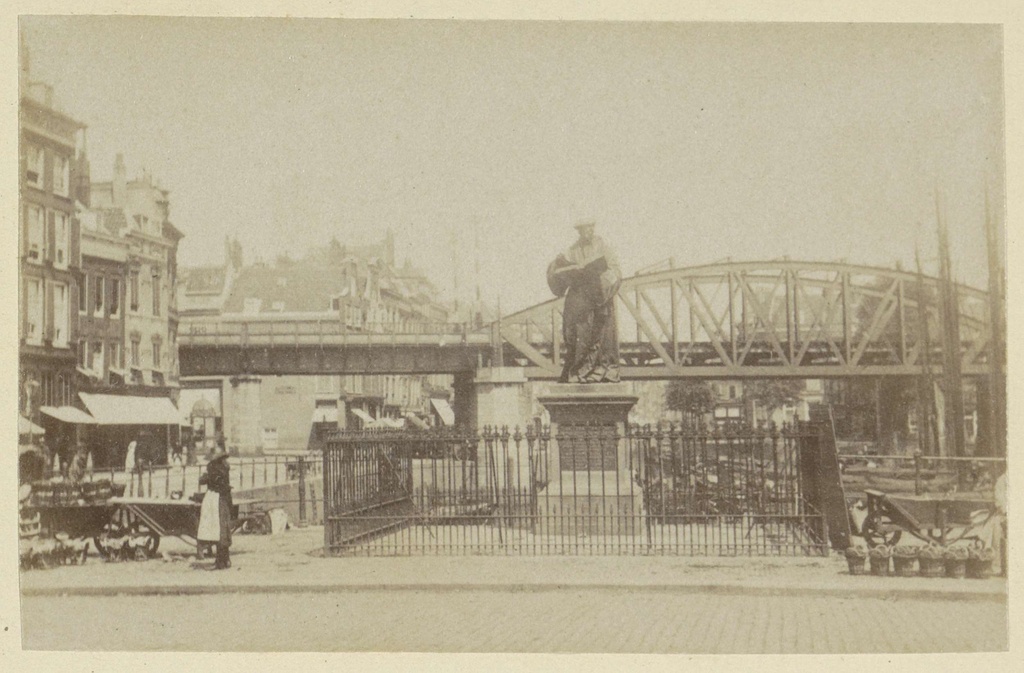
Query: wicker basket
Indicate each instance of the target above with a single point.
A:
(955, 559)
(879, 557)
(979, 562)
(857, 561)
(904, 566)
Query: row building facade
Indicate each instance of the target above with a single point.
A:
(360, 286)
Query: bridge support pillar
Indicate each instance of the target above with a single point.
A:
(243, 412)
(502, 399)
(464, 404)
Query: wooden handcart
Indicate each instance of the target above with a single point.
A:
(931, 519)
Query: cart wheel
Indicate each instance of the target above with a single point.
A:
(112, 530)
(875, 534)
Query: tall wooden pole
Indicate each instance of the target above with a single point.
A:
(924, 388)
(997, 377)
(953, 388)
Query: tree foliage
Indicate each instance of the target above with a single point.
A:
(772, 394)
(692, 398)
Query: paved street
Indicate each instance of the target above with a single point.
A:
(569, 620)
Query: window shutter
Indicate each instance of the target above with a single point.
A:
(48, 311)
(24, 308)
(75, 245)
(50, 247)
(72, 308)
(24, 231)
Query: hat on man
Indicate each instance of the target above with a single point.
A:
(218, 452)
(584, 224)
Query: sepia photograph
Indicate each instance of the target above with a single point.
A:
(509, 336)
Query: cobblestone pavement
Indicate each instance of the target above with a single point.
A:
(282, 563)
(567, 620)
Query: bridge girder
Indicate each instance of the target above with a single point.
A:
(785, 318)
(730, 320)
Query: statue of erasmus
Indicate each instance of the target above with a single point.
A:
(589, 277)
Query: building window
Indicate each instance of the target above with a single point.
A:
(134, 280)
(156, 354)
(34, 165)
(61, 240)
(115, 297)
(135, 352)
(34, 311)
(156, 294)
(61, 175)
(114, 354)
(97, 358)
(83, 354)
(35, 235)
(83, 295)
(60, 315)
(732, 392)
(97, 296)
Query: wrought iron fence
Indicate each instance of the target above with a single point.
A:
(587, 490)
(161, 481)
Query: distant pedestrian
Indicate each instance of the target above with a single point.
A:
(176, 453)
(129, 458)
(79, 465)
(215, 513)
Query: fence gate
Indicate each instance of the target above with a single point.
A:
(667, 491)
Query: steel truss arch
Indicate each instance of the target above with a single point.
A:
(776, 318)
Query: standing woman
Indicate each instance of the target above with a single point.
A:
(215, 514)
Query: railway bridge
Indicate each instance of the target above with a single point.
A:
(719, 321)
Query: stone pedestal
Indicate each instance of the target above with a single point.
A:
(590, 488)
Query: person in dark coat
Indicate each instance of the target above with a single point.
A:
(215, 515)
(588, 276)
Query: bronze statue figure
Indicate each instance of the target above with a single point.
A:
(589, 277)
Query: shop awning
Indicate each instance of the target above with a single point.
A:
(27, 427)
(130, 410)
(444, 410)
(325, 414)
(363, 416)
(69, 415)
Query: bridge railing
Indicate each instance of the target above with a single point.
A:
(271, 330)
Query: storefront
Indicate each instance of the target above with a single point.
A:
(151, 422)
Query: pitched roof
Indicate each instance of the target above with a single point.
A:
(203, 279)
(114, 220)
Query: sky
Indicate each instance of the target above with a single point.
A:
(482, 143)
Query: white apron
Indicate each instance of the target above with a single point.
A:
(209, 518)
